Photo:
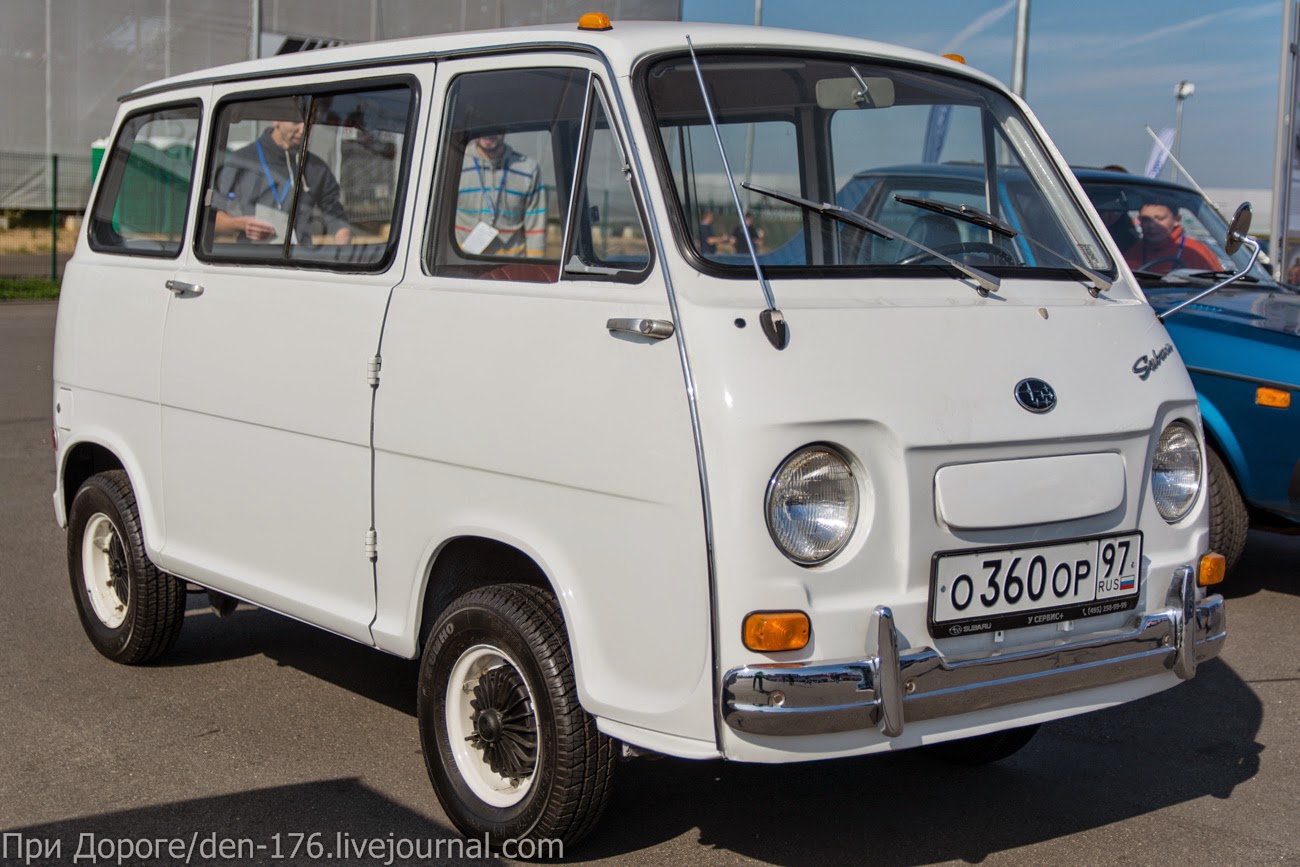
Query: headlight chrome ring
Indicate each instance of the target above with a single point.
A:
(812, 504)
(1176, 471)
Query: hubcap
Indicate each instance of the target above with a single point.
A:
(492, 726)
(504, 726)
(104, 570)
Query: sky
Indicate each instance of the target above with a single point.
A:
(1098, 72)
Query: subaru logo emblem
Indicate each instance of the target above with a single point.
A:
(1035, 395)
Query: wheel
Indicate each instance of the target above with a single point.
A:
(997, 255)
(1228, 518)
(131, 611)
(1174, 261)
(983, 749)
(510, 752)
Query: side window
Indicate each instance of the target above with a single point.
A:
(142, 201)
(312, 178)
(508, 156)
(607, 232)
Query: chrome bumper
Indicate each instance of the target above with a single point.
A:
(890, 688)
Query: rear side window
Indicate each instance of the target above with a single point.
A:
(145, 194)
(308, 179)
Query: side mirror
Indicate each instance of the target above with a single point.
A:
(1239, 229)
(1236, 238)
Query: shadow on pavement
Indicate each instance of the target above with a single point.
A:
(907, 808)
(333, 821)
(1268, 563)
(208, 639)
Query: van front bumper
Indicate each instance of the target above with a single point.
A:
(889, 689)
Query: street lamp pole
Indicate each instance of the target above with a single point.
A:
(1181, 92)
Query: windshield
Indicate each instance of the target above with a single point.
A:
(895, 145)
(1164, 230)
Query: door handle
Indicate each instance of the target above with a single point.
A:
(656, 329)
(180, 287)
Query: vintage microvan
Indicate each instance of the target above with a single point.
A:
(463, 348)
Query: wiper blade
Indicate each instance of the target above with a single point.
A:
(1219, 275)
(835, 212)
(961, 212)
(984, 219)
(985, 283)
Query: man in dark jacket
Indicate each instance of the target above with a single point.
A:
(255, 186)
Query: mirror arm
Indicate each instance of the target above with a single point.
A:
(1254, 254)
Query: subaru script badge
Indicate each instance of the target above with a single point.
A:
(1035, 395)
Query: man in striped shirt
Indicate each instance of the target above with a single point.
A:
(501, 201)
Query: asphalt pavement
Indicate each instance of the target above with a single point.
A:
(258, 731)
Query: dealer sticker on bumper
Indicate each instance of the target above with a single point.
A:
(985, 590)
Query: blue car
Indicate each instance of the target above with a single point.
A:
(1241, 345)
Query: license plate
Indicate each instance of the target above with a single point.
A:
(991, 589)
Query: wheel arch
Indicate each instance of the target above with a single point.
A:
(468, 562)
(88, 455)
(1220, 437)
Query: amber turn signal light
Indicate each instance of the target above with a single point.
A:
(595, 21)
(771, 631)
(1213, 568)
(956, 58)
(1274, 397)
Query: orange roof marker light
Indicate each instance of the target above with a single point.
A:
(595, 21)
(957, 58)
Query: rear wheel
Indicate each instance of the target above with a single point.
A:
(1229, 520)
(983, 749)
(131, 611)
(510, 752)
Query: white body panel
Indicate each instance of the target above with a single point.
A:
(631, 472)
(1047, 490)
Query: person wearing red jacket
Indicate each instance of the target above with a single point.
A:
(1164, 244)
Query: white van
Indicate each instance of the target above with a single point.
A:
(461, 347)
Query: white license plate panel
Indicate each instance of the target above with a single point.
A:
(1008, 588)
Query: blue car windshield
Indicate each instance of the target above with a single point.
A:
(903, 146)
(1166, 230)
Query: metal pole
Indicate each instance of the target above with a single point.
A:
(1178, 127)
(749, 132)
(54, 217)
(1020, 56)
(49, 82)
(255, 31)
(1284, 146)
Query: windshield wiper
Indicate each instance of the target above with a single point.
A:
(1219, 275)
(962, 212)
(826, 209)
(986, 283)
(974, 215)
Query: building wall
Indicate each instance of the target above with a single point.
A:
(100, 49)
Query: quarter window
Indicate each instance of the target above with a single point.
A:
(312, 178)
(145, 193)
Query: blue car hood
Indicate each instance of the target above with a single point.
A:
(1232, 309)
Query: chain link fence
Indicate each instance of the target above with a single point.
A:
(42, 199)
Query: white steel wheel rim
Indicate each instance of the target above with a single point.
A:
(489, 786)
(104, 570)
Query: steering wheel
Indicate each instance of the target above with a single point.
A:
(1178, 263)
(967, 248)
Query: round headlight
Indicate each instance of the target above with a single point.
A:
(812, 504)
(1176, 471)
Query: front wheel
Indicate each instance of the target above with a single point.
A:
(510, 752)
(131, 611)
(1229, 519)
